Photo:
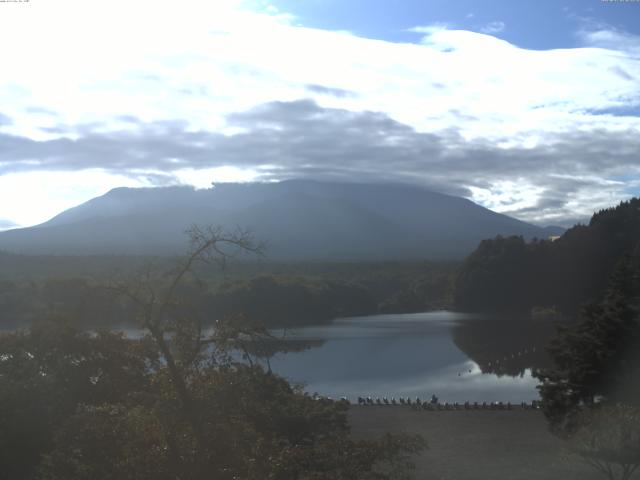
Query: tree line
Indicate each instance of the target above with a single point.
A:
(509, 274)
(176, 403)
(272, 297)
(591, 275)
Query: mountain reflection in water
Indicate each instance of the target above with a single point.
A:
(419, 355)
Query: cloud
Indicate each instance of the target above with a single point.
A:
(230, 60)
(334, 92)
(41, 111)
(429, 29)
(563, 177)
(493, 27)
(215, 89)
(622, 73)
(7, 224)
(33, 197)
(606, 36)
(632, 109)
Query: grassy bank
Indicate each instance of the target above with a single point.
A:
(476, 444)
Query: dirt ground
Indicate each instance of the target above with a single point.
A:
(476, 444)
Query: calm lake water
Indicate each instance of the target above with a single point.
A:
(410, 355)
(458, 357)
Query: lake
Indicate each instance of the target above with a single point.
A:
(418, 355)
(458, 357)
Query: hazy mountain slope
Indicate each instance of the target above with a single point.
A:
(298, 220)
(301, 225)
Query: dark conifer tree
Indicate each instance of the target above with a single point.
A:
(596, 359)
(509, 274)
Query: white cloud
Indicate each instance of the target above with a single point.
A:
(34, 197)
(429, 29)
(605, 36)
(507, 196)
(493, 27)
(203, 178)
(197, 62)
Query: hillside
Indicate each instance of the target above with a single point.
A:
(299, 220)
(511, 274)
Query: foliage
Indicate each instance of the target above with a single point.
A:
(174, 404)
(277, 295)
(289, 301)
(609, 441)
(596, 359)
(496, 269)
(591, 396)
(46, 373)
(513, 275)
(254, 426)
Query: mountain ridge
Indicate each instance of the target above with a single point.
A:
(299, 219)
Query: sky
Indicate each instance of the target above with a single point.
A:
(530, 108)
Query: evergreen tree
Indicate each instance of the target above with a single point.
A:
(509, 274)
(596, 359)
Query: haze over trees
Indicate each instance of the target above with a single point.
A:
(597, 359)
(177, 403)
(589, 392)
(274, 294)
(510, 274)
(591, 395)
(157, 406)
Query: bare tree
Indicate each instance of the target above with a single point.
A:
(177, 329)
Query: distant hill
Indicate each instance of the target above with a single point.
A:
(299, 220)
(509, 274)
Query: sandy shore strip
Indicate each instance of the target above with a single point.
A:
(476, 444)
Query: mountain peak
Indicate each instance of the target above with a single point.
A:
(299, 219)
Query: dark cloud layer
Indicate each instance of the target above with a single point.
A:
(302, 140)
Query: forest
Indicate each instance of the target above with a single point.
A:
(590, 276)
(508, 274)
(274, 294)
(176, 403)
(80, 400)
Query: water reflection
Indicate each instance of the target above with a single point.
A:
(413, 355)
(505, 345)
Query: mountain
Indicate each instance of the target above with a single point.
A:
(299, 220)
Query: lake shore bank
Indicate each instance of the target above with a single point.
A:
(476, 444)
